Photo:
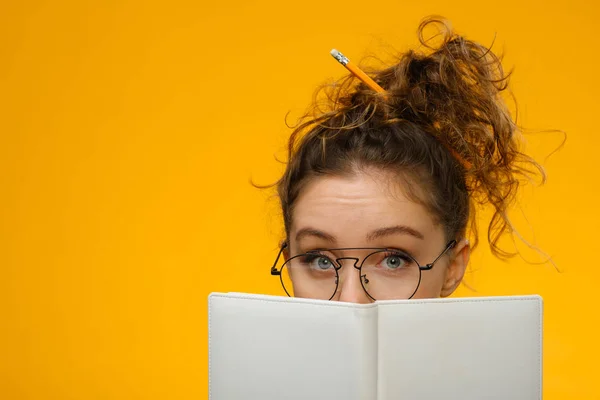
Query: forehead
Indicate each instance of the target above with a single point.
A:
(348, 207)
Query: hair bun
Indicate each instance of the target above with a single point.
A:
(452, 90)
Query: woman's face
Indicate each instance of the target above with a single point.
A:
(367, 210)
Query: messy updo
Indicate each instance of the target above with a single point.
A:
(441, 126)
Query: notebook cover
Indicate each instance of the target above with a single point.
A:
(270, 347)
(468, 348)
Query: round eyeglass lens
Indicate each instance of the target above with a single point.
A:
(389, 275)
(311, 276)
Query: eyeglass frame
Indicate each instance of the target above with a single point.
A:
(275, 272)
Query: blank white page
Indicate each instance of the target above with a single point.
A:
(277, 348)
(468, 349)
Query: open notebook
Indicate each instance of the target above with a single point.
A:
(276, 348)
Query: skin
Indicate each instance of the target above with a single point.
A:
(346, 211)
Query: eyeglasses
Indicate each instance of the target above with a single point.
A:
(385, 274)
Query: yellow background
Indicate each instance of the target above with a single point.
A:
(129, 131)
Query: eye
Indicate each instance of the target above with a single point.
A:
(395, 261)
(322, 263)
(318, 262)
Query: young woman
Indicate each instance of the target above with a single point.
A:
(379, 194)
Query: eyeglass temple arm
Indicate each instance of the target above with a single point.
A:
(448, 247)
(274, 270)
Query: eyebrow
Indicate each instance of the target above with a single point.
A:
(305, 232)
(376, 234)
(394, 230)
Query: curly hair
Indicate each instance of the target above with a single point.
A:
(441, 126)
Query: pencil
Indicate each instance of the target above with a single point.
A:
(342, 59)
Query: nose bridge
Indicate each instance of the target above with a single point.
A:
(340, 259)
(350, 287)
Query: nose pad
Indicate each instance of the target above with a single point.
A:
(350, 288)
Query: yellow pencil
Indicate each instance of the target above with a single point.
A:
(356, 71)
